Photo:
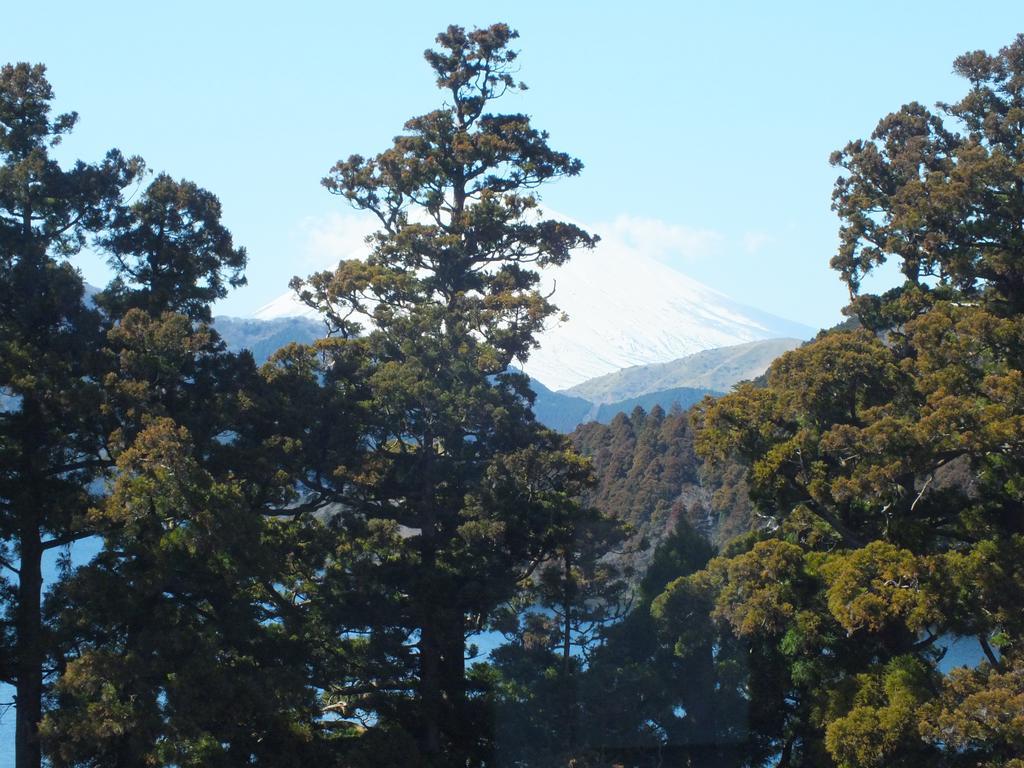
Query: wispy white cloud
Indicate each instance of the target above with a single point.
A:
(342, 235)
(662, 240)
(336, 236)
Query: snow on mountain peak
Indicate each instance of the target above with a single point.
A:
(627, 309)
(285, 305)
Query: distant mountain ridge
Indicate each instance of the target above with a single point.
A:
(712, 370)
(682, 382)
(264, 337)
(564, 412)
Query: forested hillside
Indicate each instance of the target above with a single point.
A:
(649, 475)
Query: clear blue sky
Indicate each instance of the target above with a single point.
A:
(712, 120)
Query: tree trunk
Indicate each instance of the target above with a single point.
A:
(568, 682)
(453, 680)
(702, 684)
(786, 758)
(430, 689)
(29, 650)
(568, 596)
(430, 645)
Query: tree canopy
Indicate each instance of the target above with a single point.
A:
(887, 457)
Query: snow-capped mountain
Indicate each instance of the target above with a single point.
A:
(634, 310)
(624, 309)
(285, 305)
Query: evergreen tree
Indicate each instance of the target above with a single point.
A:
(460, 485)
(180, 642)
(52, 430)
(171, 252)
(643, 702)
(888, 460)
(555, 630)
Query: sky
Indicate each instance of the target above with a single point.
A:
(705, 128)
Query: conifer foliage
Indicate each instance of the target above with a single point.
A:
(465, 489)
(52, 430)
(889, 458)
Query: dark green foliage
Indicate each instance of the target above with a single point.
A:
(52, 429)
(175, 645)
(171, 252)
(644, 702)
(124, 420)
(538, 692)
(295, 557)
(886, 458)
(460, 493)
(181, 656)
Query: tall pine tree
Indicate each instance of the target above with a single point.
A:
(460, 484)
(180, 646)
(52, 429)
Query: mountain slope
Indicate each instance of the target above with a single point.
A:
(636, 311)
(666, 399)
(649, 475)
(559, 411)
(713, 369)
(264, 337)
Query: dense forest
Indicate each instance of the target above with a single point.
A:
(648, 475)
(367, 551)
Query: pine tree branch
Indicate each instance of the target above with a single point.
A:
(9, 566)
(68, 538)
(990, 654)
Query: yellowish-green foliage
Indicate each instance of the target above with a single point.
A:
(977, 709)
(879, 584)
(756, 591)
(880, 726)
(888, 461)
